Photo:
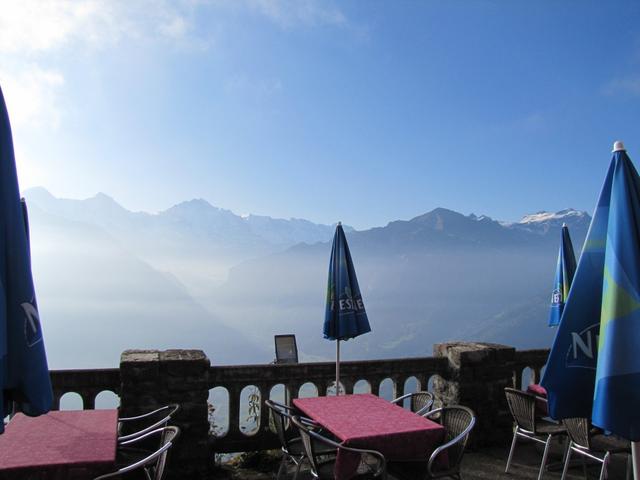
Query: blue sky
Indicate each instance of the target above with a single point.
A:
(360, 111)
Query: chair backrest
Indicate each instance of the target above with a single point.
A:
(419, 402)
(523, 408)
(578, 431)
(458, 421)
(280, 416)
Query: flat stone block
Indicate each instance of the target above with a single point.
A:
(137, 356)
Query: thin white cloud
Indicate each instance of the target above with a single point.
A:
(292, 13)
(31, 30)
(31, 95)
(628, 85)
(260, 88)
(36, 26)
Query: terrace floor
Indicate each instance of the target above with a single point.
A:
(489, 463)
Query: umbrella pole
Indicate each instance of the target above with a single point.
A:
(338, 367)
(635, 454)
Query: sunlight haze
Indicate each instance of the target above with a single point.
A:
(363, 112)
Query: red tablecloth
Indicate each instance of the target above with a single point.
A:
(367, 421)
(61, 444)
(541, 405)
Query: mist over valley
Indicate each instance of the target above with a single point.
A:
(197, 276)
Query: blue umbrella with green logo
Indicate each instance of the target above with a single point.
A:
(565, 270)
(24, 374)
(617, 377)
(593, 369)
(345, 315)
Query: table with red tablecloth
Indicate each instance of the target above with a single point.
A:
(369, 422)
(60, 444)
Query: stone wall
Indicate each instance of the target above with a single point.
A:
(151, 379)
(470, 374)
(476, 378)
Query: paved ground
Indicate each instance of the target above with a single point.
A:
(489, 464)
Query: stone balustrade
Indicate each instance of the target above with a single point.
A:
(471, 374)
(86, 383)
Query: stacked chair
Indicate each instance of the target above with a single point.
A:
(144, 442)
(146, 422)
(152, 465)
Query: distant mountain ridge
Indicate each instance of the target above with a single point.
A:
(439, 276)
(214, 223)
(198, 215)
(193, 240)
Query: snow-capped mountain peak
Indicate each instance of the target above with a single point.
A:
(561, 216)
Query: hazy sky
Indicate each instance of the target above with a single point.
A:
(361, 111)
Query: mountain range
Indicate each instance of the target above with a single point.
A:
(200, 276)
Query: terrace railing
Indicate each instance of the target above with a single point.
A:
(263, 379)
(86, 383)
(473, 374)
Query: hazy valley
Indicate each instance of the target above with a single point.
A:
(198, 276)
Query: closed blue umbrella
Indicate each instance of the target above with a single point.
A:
(617, 378)
(345, 315)
(24, 374)
(593, 370)
(565, 270)
(570, 373)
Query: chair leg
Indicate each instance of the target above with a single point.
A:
(567, 459)
(628, 475)
(298, 465)
(513, 447)
(544, 457)
(283, 462)
(605, 464)
(566, 448)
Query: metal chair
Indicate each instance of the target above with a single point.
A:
(372, 463)
(153, 465)
(594, 444)
(292, 447)
(458, 422)
(528, 425)
(151, 420)
(420, 402)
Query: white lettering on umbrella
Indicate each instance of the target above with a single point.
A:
(31, 324)
(583, 350)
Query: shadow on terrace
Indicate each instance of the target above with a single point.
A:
(460, 373)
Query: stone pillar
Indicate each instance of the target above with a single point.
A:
(477, 376)
(153, 378)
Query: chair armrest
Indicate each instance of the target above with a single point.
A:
(310, 423)
(160, 423)
(173, 409)
(400, 399)
(422, 411)
(449, 444)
